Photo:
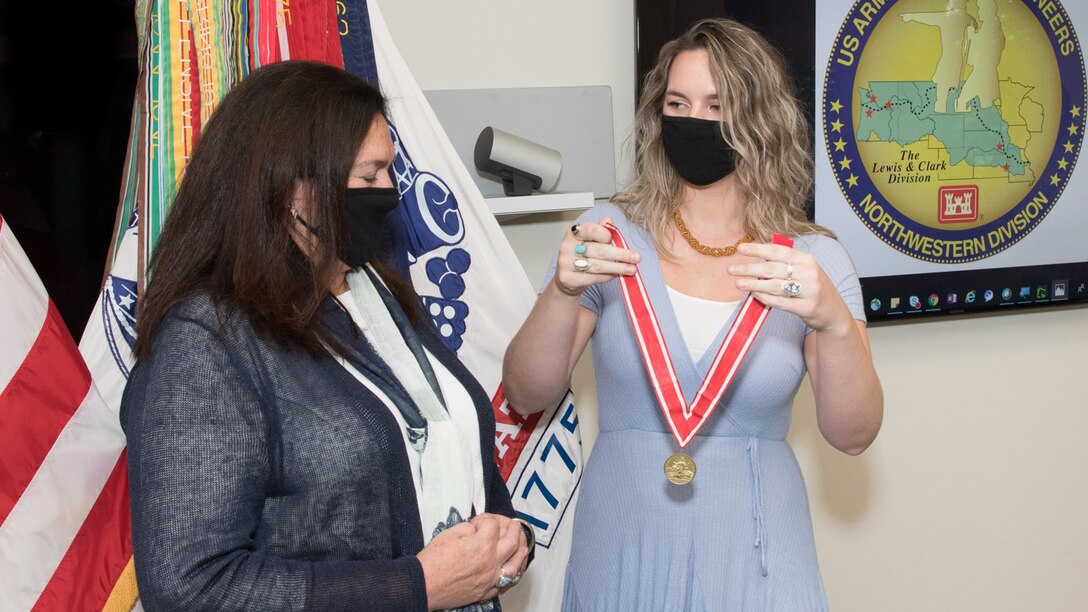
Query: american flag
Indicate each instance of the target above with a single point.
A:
(64, 520)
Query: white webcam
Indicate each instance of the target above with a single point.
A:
(522, 165)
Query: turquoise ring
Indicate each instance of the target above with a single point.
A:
(580, 249)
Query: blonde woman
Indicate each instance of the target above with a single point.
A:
(692, 499)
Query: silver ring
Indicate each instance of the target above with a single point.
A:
(789, 272)
(791, 288)
(516, 579)
(505, 579)
(581, 264)
(574, 229)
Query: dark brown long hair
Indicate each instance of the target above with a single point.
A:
(228, 231)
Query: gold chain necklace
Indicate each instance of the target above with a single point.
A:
(698, 246)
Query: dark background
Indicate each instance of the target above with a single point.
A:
(67, 84)
(790, 25)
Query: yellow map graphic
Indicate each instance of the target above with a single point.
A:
(956, 92)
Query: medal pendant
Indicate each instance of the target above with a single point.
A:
(680, 468)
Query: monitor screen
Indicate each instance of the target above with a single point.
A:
(947, 139)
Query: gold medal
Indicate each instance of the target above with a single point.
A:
(680, 468)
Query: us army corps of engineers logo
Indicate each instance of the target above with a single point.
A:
(953, 126)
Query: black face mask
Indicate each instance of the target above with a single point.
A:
(696, 149)
(367, 208)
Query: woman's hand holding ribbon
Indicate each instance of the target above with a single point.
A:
(792, 281)
(849, 399)
(587, 257)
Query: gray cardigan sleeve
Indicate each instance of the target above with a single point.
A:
(200, 468)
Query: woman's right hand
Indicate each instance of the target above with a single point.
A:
(598, 261)
(462, 564)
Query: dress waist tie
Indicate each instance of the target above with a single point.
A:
(757, 503)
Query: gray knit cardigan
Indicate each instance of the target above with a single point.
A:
(267, 480)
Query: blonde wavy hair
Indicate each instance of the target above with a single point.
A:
(761, 118)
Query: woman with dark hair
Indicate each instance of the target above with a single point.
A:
(299, 438)
(695, 377)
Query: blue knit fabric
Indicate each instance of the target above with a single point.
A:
(739, 537)
(268, 480)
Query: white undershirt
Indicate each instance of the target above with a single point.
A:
(700, 320)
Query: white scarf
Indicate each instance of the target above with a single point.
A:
(443, 462)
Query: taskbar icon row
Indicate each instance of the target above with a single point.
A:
(1052, 291)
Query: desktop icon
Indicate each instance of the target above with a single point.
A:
(933, 299)
(1006, 294)
(1059, 289)
(1040, 293)
(988, 295)
(874, 304)
(915, 302)
(893, 303)
(951, 298)
(970, 297)
(1025, 293)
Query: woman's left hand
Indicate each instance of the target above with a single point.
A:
(514, 565)
(793, 281)
(849, 399)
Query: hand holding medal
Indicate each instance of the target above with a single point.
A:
(587, 257)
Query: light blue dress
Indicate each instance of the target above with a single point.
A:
(739, 537)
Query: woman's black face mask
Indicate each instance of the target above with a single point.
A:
(367, 208)
(696, 149)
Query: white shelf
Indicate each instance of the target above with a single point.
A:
(539, 203)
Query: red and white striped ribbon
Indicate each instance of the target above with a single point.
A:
(685, 420)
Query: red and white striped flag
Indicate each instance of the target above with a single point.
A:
(64, 515)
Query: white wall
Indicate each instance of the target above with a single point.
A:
(478, 44)
(974, 495)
